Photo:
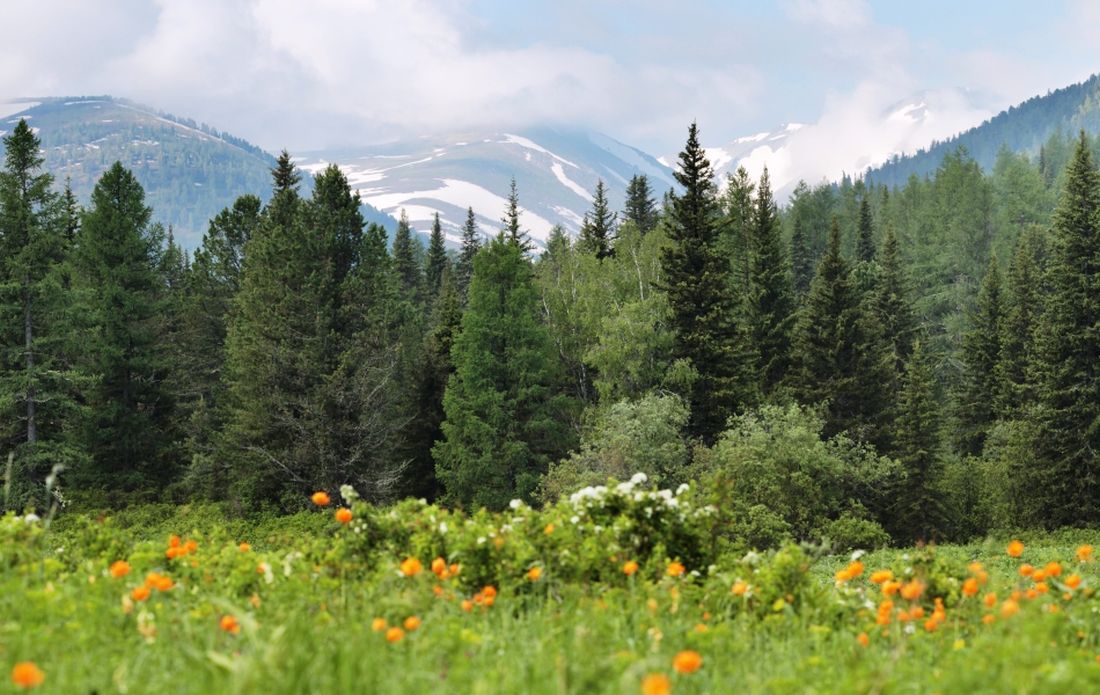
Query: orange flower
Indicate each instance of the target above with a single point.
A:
(454, 569)
(27, 675)
(700, 627)
(989, 619)
(656, 684)
(1026, 570)
(244, 547)
(1038, 575)
(1031, 594)
(917, 612)
(1053, 569)
(343, 515)
(630, 567)
(395, 634)
(863, 639)
(190, 546)
(676, 569)
(911, 591)
(467, 605)
(890, 588)
(549, 529)
(975, 567)
(1009, 608)
(378, 624)
(439, 567)
(173, 552)
(411, 623)
(1042, 587)
(740, 588)
(1015, 548)
(990, 600)
(140, 593)
(410, 567)
(120, 568)
(173, 541)
(534, 574)
(163, 583)
(1073, 581)
(489, 592)
(437, 590)
(321, 498)
(687, 661)
(229, 624)
(881, 576)
(970, 587)
(1084, 553)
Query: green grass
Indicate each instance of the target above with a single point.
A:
(309, 629)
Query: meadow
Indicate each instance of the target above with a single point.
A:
(620, 589)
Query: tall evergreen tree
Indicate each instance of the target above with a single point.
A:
(738, 210)
(802, 264)
(1023, 309)
(978, 394)
(598, 229)
(436, 261)
(920, 512)
(1067, 468)
(640, 208)
(503, 419)
(840, 356)
(769, 301)
(865, 243)
(404, 258)
(119, 296)
(511, 229)
(471, 244)
(696, 277)
(892, 304)
(35, 390)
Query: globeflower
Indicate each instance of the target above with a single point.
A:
(970, 587)
(26, 674)
(412, 623)
(394, 634)
(687, 661)
(1015, 548)
(229, 624)
(378, 624)
(439, 567)
(140, 593)
(1026, 570)
(534, 574)
(343, 515)
(630, 567)
(911, 591)
(881, 576)
(740, 588)
(1084, 553)
(863, 639)
(656, 684)
(410, 567)
(676, 569)
(119, 568)
(244, 547)
(1073, 581)
(321, 498)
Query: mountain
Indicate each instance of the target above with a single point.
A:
(851, 136)
(555, 171)
(189, 170)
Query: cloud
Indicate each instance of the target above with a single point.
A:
(837, 14)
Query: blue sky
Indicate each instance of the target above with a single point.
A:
(335, 72)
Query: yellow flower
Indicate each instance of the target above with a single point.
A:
(534, 574)
(739, 588)
(378, 624)
(676, 569)
(412, 623)
(630, 567)
(549, 529)
(1084, 553)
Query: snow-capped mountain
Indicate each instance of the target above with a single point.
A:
(555, 171)
(851, 136)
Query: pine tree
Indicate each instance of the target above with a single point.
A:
(436, 261)
(640, 208)
(471, 244)
(119, 297)
(404, 259)
(511, 229)
(696, 278)
(1022, 313)
(920, 513)
(802, 264)
(977, 398)
(598, 229)
(1066, 474)
(35, 395)
(865, 244)
(738, 210)
(769, 301)
(840, 355)
(503, 420)
(70, 214)
(892, 305)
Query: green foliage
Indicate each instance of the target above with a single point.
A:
(436, 261)
(640, 207)
(471, 243)
(597, 234)
(978, 395)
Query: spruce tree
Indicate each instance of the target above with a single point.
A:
(920, 513)
(511, 226)
(640, 208)
(802, 264)
(119, 295)
(696, 277)
(503, 419)
(840, 356)
(1066, 474)
(471, 244)
(978, 393)
(1023, 299)
(865, 243)
(598, 229)
(738, 211)
(769, 300)
(892, 304)
(436, 261)
(404, 258)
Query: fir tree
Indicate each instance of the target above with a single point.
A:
(865, 244)
(119, 298)
(437, 259)
(802, 264)
(471, 244)
(511, 229)
(1022, 313)
(920, 512)
(404, 258)
(977, 398)
(696, 278)
(893, 308)
(840, 356)
(70, 214)
(503, 420)
(1066, 476)
(640, 208)
(738, 210)
(598, 229)
(769, 301)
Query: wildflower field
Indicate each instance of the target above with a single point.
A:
(615, 590)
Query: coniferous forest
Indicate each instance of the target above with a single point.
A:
(867, 365)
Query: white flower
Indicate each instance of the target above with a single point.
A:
(31, 518)
(624, 488)
(684, 487)
(639, 478)
(858, 554)
(515, 504)
(443, 527)
(481, 540)
(348, 493)
(574, 519)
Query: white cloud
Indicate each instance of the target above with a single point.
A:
(842, 14)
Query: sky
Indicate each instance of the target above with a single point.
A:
(329, 73)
